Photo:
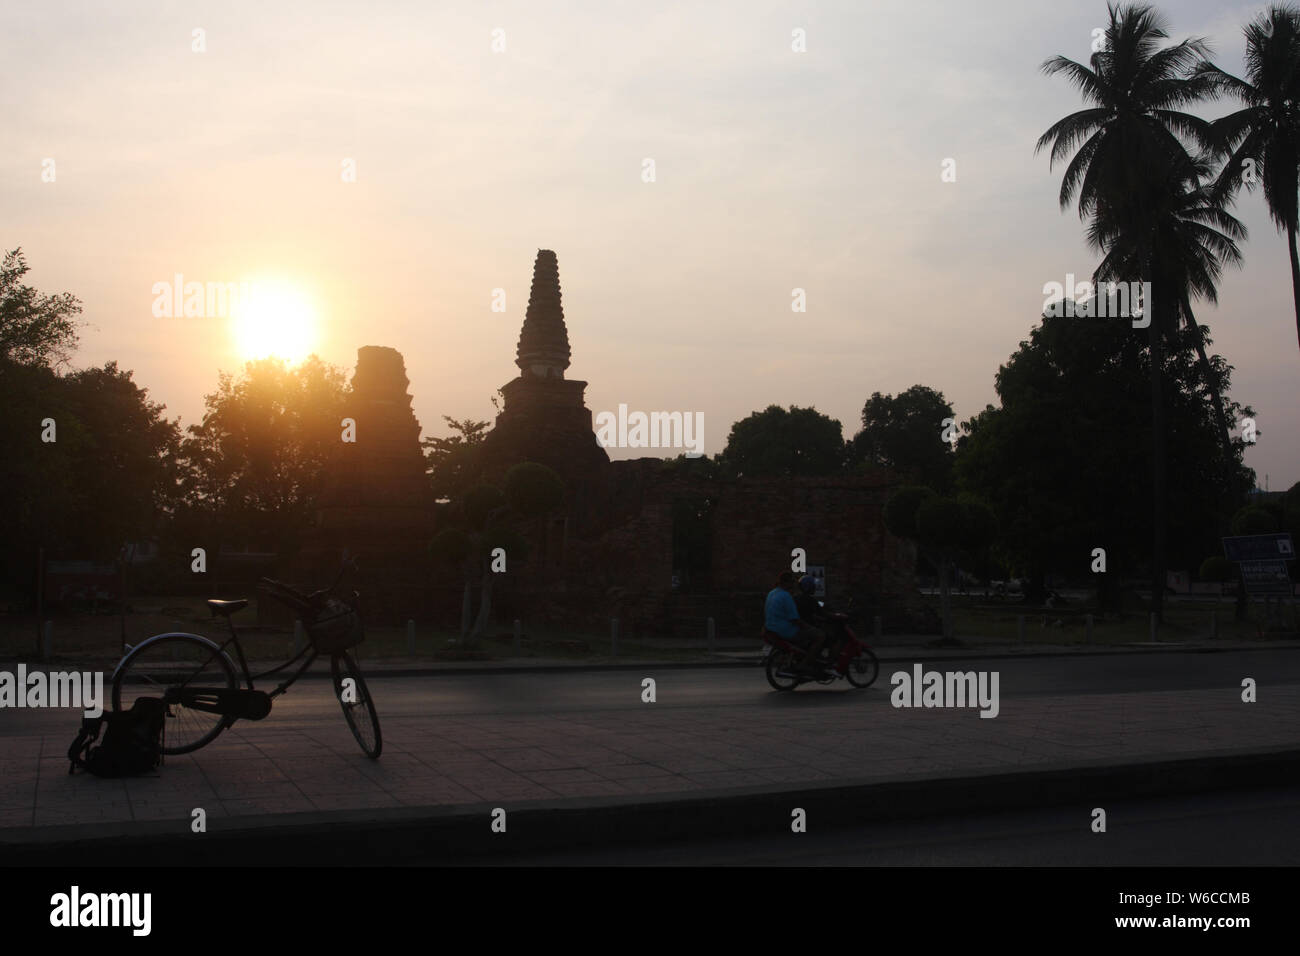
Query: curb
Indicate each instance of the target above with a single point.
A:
(455, 834)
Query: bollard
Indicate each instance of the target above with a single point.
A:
(1214, 625)
(47, 642)
(1020, 628)
(711, 630)
(613, 636)
(410, 637)
(299, 637)
(464, 613)
(1088, 621)
(877, 627)
(518, 636)
(1155, 628)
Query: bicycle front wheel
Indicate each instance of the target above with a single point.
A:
(176, 660)
(358, 706)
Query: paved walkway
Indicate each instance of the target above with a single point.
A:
(813, 735)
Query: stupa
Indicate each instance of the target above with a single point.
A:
(545, 418)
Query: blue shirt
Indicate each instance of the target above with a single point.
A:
(781, 617)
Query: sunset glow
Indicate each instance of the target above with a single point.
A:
(278, 320)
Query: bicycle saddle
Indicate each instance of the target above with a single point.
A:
(226, 608)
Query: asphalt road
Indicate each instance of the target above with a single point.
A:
(1236, 828)
(740, 687)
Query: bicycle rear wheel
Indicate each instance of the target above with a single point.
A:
(176, 660)
(358, 706)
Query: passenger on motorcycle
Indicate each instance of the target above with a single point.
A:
(812, 613)
(781, 617)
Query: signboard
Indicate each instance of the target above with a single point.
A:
(1260, 547)
(1263, 559)
(1266, 577)
(818, 571)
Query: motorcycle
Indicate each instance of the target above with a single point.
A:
(854, 661)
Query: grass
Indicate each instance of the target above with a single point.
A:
(1183, 621)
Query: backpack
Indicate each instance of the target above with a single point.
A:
(132, 743)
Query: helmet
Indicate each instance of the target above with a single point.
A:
(807, 584)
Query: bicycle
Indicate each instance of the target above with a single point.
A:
(200, 686)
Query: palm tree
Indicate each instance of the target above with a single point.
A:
(1265, 135)
(1193, 238)
(1128, 146)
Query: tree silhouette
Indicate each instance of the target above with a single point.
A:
(1261, 142)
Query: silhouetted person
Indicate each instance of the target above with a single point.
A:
(781, 617)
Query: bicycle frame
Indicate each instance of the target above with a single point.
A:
(246, 703)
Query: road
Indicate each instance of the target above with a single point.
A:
(740, 688)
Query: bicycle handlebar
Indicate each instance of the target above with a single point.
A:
(305, 603)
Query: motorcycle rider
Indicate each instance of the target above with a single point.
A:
(781, 617)
(812, 613)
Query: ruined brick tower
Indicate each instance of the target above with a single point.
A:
(377, 502)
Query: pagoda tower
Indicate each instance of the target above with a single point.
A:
(545, 418)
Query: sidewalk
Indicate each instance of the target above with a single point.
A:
(443, 772)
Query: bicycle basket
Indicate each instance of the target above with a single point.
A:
(335, 628)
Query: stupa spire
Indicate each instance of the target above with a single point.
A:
(544, 341)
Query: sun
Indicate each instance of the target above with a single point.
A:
(276, 320)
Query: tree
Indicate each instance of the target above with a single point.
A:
(256, 465)
(1261, 142)
(785, 443)
(86, 459)
(106, 479)
(487, 518)
(452, 461)
(906, 434)
(1131, 141)
(35, 329)
(1191, 237)
(1059, 459)
(946, 528)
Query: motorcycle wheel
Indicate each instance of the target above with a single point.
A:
(779, 665)
(863, 669)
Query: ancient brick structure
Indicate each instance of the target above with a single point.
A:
(377, 503)
(545, 418)
(659, 544)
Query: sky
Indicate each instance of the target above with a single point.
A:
(386, 170)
